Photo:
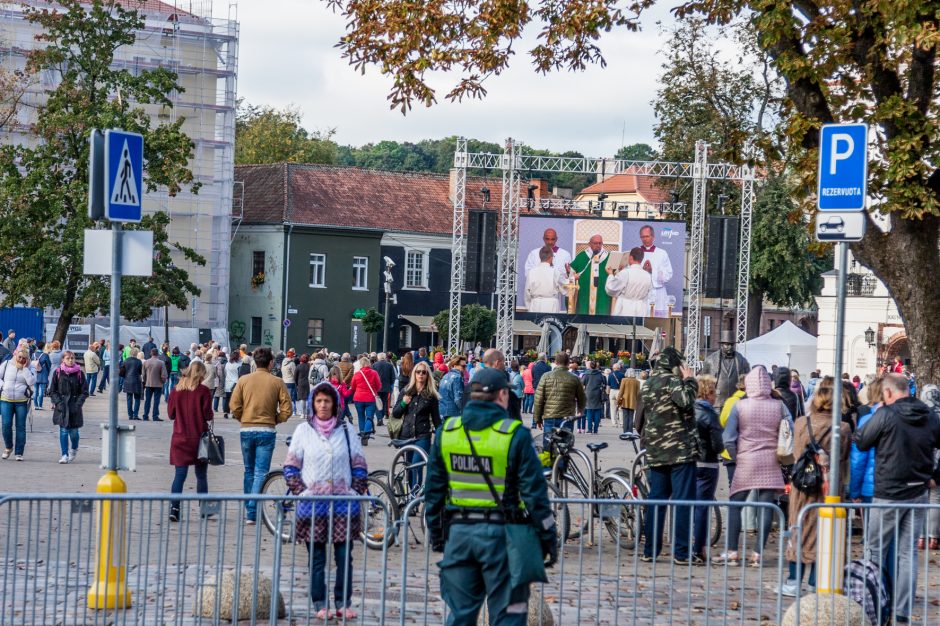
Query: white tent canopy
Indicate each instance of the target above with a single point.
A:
(784, 345)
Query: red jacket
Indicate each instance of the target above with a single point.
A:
(360, 389)
(190, 412)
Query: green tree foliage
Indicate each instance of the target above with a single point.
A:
(870, 61)
(264, 134)
(637, 152)
(730, 105)
(373, 322)
(477, 323)
(44, 190)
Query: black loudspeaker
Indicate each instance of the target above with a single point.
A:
(721, 257)
(481, 252)
(205, 335)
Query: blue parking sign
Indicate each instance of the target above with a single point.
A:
(124, 176)
(843, 167)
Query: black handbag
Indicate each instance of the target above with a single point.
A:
(807, 471)
(211, 448)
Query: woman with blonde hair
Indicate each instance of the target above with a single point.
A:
(190, 409)
(16, 381)
(418, 408)
(365, 387)
(819, 420)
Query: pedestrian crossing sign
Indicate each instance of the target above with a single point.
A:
(124, 172)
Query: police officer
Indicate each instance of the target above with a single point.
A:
(463, 517)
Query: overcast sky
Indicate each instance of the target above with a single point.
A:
(287, 57)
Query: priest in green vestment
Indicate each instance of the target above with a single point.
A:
(590, 265)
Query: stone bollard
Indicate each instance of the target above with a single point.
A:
(826, 608)
(225, 592)
(539, 612)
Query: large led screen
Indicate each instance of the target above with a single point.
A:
(597, 266)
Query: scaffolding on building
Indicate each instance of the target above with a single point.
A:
(512, 163)
(189, 38)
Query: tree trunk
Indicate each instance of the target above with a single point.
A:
(755, 309)
(907, 261)
(65, 318)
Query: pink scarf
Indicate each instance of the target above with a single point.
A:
(70, 369)
(325, 427)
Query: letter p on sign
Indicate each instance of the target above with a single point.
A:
(840, 155)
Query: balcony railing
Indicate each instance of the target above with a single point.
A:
(861, 285)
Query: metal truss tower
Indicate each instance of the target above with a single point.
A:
(696, 253)
(744, 253)
(458, 246)
(511, 162)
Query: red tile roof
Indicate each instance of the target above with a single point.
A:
(324, 195)
(652, 189)
(149, 7)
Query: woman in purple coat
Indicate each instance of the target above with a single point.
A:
(750, 437)
(190, 409)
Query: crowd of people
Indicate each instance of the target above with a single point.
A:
(890, 440)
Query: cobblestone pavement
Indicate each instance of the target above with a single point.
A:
(48, 551)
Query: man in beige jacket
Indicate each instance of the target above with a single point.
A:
(260, 401)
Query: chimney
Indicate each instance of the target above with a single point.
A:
(452, 188)
(542, 188)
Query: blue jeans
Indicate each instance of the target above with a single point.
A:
(65, 434)
(174, 378)
(582, 422)
(593, 419)
(202, 482)
(292, 390)
(257, 450)
(7, 412)
(803, 567)
(342, 587)
(92, 381)
(39, 395)
(528, 401)
(366, 412)
(152, 393)
(669, 482)
(105, 377)
(706, 482)
(416, 476)
(133, 405)
(548, 424)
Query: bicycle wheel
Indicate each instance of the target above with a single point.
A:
(400, 470)
(577, 516)
(639, 476)
(716, 526)
(560, 511)
(623, 519)
(275, 485)
(379, 523)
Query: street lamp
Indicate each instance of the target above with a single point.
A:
(870, 337)
(389, 264)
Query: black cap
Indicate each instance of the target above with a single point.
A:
(490, 379)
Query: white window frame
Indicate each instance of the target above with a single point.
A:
(313, 262)
(360, 264)
(422, 285)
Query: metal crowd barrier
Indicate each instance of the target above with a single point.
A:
(204, 569)
(886, 535)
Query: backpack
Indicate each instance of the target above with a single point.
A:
(807, 471)
(244, 369)
(316, 375)
(865, 583)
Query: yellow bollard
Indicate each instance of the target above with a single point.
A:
(109, 591)
(830, 547)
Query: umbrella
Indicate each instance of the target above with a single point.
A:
(657, 346)
(581, 342)
(544, 339)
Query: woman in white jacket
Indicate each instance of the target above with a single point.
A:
(16, 383)
(231, 377)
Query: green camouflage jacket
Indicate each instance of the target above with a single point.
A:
(669, 432)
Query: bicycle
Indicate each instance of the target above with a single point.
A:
(402, 487)
(569, 481)
(639, 478)
(274, 511)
